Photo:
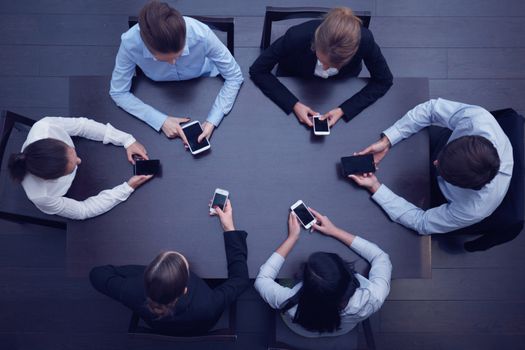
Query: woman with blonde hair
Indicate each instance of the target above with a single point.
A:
(334, 46)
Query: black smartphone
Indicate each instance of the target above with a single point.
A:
(321, 126)
(146, 167)
(358, 164)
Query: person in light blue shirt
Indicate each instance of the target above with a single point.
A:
(167, 46)
(474, 168)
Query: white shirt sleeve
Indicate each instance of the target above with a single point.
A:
(445, 218)
(92, 130)
(380, 271)
(120, 91)
(272, 292)
(230, 71)
(91, 207)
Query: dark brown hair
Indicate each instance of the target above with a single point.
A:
(162, 28)
(165, 280)
(468, 162)
(338, 36)
(45, 158)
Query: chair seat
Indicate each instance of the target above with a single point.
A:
(287, 338)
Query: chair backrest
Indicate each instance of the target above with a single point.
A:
(221, 24)
(17, 206)
(274, 14)
(283, 338)
(227, 334)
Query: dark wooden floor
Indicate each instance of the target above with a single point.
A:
(471, 50)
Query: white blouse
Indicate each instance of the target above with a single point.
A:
(48, 195)
(367, 299)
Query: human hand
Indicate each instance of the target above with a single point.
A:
(303, 113)
(323, 224)
(225, 216)
(172, 129)
(379, 149)
(136, 149)
(294, 228)
(367, 180)
(333, 116)
(207, 130)
(137, 180)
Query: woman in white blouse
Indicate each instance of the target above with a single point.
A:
(48, 163)
(332, 298)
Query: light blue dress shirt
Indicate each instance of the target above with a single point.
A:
(465, 206)
(203, 55)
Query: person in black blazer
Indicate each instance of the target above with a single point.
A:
(168, 296)
(337, 46)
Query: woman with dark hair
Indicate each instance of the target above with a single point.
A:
(334, 46)
(332, 298)
(47, 165)
(171, 298)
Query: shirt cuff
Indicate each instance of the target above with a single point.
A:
(127, 188)
(393, 135)
(359, 244)
(117, 137)
(215, 117)
(276, 261)
(156, 119)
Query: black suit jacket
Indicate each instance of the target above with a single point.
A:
(295, 57)
(198, 310)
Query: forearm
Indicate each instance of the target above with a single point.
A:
(343, 236)
(286, 247)
(134, 106)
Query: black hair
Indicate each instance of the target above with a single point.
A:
(468, 162)
(45, 158)
(328, 284)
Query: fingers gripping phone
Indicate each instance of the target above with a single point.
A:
(192, 131)
(321, 127)
(219, 199)
(146, 167)
(358, 164)
(304, 215)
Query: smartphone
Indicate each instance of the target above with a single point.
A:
(192, 131)
(303, 214)
(358, 164)
(219, 199)
(146, 167)
(321, 127)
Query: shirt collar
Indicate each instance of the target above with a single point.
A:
(147, 53)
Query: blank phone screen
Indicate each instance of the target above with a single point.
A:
(147, 167)
(358, 164)
(219, 200)
(303, 214)
(321, 125)
(192, 133)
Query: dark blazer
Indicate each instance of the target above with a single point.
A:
(295, 57)
(198, 310)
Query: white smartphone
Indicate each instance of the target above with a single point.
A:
(192, 131)
(304, 215)
(219, 199)
(321, 127)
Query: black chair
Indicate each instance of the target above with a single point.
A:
(507, 220)
(221, 24)
(15, 206)
(282, 338)
(275, 14)
(224, 331)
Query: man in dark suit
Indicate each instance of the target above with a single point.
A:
(335, 46)
(168, 296)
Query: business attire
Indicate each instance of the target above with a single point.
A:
(203, 55)
(294, 56)
(464, 207)
(195, 312)
(366, 300)
(48, 195)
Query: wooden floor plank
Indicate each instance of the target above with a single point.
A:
(486, 63)
(470, 8)
(49, 92)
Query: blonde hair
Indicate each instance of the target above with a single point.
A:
(338, 36)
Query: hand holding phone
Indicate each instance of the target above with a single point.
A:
(304, 215)
(321, 126)
(192, 132)
(146, 167)
(361, 164)
(220, 197)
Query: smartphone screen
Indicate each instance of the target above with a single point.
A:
(321, 125)
(147, 167)
(192, 133)
(303, 214)
(219, 200)
(358, 164)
